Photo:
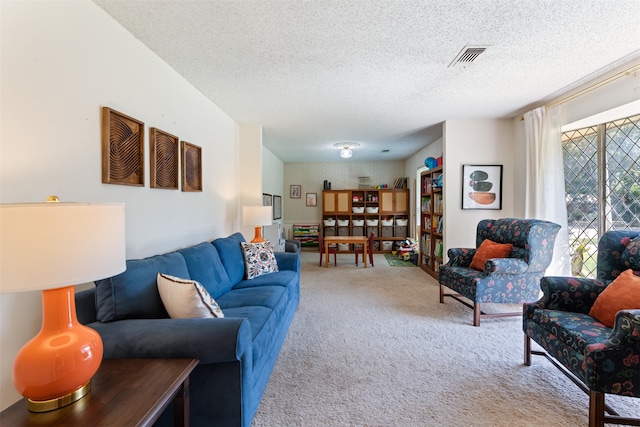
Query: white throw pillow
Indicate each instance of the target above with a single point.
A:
(185, 299)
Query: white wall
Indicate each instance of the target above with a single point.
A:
(62, 61)
(273, 183)
(479, 141)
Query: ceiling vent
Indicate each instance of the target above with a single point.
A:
(467, 55)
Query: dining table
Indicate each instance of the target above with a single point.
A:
(344, 239)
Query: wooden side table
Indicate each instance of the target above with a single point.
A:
(124, 392)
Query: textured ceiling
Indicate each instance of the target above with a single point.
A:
(314, 73)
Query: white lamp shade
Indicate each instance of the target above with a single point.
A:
(256, 215)
(51, 245)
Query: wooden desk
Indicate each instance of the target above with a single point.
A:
(124, 392)
(344, 239)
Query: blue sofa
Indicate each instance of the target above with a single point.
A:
(237, 353)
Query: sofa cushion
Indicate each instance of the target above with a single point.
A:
(134, 294)
(621, 294)
(230, 253)
(630, 257)
(258, 259)
(264, 296)
(280, 278)
(487, 250)
(205, 266)
(576, 330)
(186, 299)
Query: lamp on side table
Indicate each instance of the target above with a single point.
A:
(257, 216)
(51, 247)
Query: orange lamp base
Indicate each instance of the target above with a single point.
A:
(257, 238)
(54, 368)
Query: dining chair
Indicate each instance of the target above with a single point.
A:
(360, 250)
(332, 250)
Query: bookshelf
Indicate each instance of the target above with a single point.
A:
(383, 212)
(431, 220)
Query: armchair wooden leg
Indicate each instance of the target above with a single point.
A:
(596, 409)
(527, 350)
(476, 314)
(441, 294)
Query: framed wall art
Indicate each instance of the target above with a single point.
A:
(482, 187)
(266, 199)
(191, 167)
(277, 207)
(122, 149)
(312, 199)
(163, 159)
(295, 191)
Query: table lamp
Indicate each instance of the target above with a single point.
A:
(51, 247)
(256, 216)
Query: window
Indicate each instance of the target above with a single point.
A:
(602, 183)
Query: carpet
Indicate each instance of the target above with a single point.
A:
(395, 261)
(374, 347)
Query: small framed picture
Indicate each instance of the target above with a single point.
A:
(266, 199)
(277, 207)
(482, 187)
(295, 192)
(312, 199)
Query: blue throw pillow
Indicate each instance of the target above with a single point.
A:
(134, 293)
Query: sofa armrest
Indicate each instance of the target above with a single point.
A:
(292, 246)
(460, 257)
(209, 340)
(505, 266)
(573, 294)
(288, 261)
(617, 354)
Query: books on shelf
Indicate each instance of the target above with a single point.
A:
(437, 251)
(437, 203)
(426, 203)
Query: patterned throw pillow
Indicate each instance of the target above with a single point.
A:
(258, 259)
(487, 250)
(186, 299)
(630, 257)
(621, 294)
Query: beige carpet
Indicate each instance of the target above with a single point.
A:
(374, 347)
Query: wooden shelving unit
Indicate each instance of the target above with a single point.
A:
(431, 221)
(383, 212)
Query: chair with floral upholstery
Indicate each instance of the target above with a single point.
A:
(510, 258)
(590, 328)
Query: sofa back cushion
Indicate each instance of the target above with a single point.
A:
(230, 252)
(134, 293)
(617, 252)
(205, 266)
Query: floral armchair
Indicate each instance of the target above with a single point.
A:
(512, 280)
(598, 358)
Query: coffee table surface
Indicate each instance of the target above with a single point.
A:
(124, 392)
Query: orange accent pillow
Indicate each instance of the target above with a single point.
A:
(489, 249)
(621, 294)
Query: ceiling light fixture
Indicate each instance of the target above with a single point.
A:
(345, 148)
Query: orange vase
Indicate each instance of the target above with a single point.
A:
(61, 359)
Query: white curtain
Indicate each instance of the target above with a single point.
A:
(545, 194)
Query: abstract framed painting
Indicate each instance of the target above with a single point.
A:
(163, 159)
(191, 167)
(482, 187)
(122, 149)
